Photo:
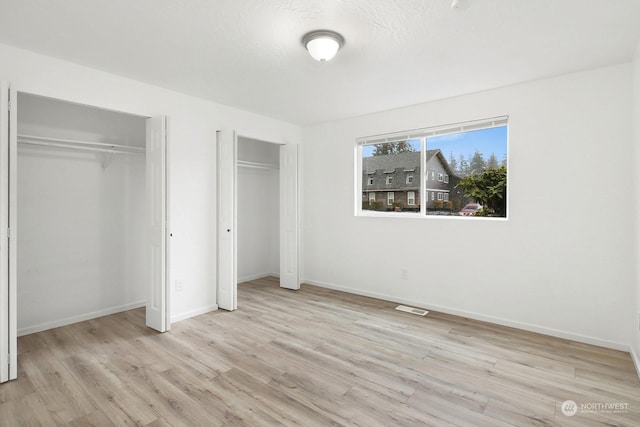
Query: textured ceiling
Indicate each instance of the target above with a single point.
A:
(248, 54)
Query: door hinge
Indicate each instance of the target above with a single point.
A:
(8, 232)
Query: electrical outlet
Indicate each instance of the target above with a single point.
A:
(179, 285)
(404, 274)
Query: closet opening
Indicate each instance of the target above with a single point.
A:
(91, 214)
(250, 208)
(258, 209)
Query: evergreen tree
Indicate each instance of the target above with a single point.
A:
(403, 147)
(492, 162)
(463, 166)
(477, 164)
(392, 148)
(382, 150)
(453, 163)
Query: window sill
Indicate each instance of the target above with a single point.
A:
(418, 215)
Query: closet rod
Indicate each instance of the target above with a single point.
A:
(96, 149)
(83, 145)
(256, 165)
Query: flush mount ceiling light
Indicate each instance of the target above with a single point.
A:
(322, 44)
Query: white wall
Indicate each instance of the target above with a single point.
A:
(635, 312)
(192, 133)
(76, 259)
(562, 264)
(258, 211)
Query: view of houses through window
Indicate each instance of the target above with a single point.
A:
(456, 170)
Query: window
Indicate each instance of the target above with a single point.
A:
(372, 198)
(468, 161)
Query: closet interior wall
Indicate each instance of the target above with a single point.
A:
(258, 209)
(80, 215)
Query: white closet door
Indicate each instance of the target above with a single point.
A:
(289, 275)
(227, 236)
(8, 306)
(157, 308)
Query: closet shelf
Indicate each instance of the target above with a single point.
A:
(79, 145)
(256, 165)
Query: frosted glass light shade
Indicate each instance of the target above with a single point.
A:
(322, 45)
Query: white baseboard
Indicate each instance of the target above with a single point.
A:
(193, 313)
(79, 318)
(636, 359)
(257, 276)
(477, 316)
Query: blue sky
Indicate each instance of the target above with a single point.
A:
(486, 141)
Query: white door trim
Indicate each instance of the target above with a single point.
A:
(4, 227)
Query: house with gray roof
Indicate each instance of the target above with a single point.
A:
(392, 182)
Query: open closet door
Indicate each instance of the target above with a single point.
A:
(289, 276)
(227, 272)
(157, 308)
(8, 163)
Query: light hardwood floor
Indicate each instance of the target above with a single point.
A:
(314, 357)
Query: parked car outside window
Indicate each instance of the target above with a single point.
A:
(470, 209)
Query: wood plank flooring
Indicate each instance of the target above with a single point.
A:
(314, 357)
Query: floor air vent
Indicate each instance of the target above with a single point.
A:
(412, 310)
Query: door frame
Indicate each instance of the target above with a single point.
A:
(8, 237)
